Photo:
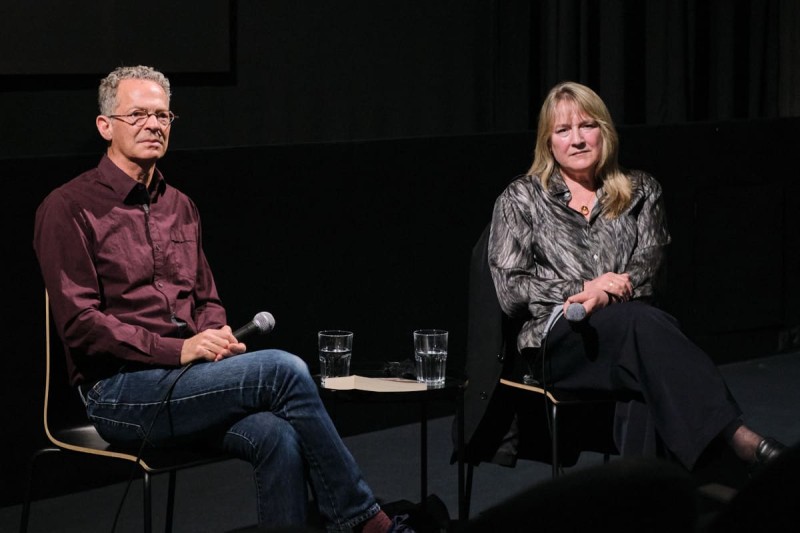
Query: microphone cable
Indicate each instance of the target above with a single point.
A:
(138, 460)
(557, 313)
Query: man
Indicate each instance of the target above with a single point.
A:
(135, 303)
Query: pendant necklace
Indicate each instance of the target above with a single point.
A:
(584, 210)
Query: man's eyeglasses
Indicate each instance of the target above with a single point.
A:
(139, 118)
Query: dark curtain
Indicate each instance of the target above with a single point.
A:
(671, 61)
(321, 71)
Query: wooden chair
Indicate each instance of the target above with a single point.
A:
(556, 399)
(484, 309)
(69, 432)
(558, 403)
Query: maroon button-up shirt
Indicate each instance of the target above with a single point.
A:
(125, 271)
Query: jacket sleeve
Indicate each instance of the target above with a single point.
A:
(512, 260)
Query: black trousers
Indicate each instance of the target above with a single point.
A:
(674, 394)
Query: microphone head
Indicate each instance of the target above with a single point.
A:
(264, 322)
(575, 312)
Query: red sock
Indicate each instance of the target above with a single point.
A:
(380, 523)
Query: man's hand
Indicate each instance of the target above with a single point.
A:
(211, 345)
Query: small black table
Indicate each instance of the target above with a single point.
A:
(453, 390)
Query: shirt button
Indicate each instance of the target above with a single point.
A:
(159, 284)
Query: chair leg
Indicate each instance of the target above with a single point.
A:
(554, 438)
(147, 503)
(26, 504)
(467, 494)
(26, 512)
(170, 502)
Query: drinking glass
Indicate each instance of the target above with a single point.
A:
(430, 355)
(335, 351)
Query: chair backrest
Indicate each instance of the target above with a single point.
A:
(488, 326)
(491, 342)
(67, 426)
(62, 404)
(492, 336)
(48, 367)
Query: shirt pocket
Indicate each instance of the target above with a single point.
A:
(182, 257)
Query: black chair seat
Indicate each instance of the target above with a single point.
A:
(85, 439)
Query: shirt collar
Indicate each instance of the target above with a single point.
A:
(127, 188)
(558, 187)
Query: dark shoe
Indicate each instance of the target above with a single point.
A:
(428, 516)
(768, 450)
(400, 524)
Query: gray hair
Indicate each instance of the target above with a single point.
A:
(107, 93)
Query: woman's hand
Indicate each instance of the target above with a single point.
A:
(591, 299)
(211, 345)
(618, 286)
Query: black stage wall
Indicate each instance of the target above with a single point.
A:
(376, 236)
(257, 72)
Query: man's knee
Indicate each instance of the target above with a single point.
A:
(290, 361)
(263, 436)
(274, 361)
(282, 358)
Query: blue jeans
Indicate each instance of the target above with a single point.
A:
(266, 409)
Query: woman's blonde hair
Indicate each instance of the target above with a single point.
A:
(616, 184)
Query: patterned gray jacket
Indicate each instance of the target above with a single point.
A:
(541, 251)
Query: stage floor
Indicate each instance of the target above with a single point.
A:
(220, 497)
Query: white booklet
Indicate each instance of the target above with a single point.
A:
(374, 384)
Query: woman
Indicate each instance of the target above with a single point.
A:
(578, 229)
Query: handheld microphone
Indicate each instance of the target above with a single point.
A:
(575, 312)
(263, 322)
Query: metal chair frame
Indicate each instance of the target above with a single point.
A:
(555, 399)
(83, 439)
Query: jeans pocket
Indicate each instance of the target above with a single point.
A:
(92, 394)
(117, 431)
(114, 421)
